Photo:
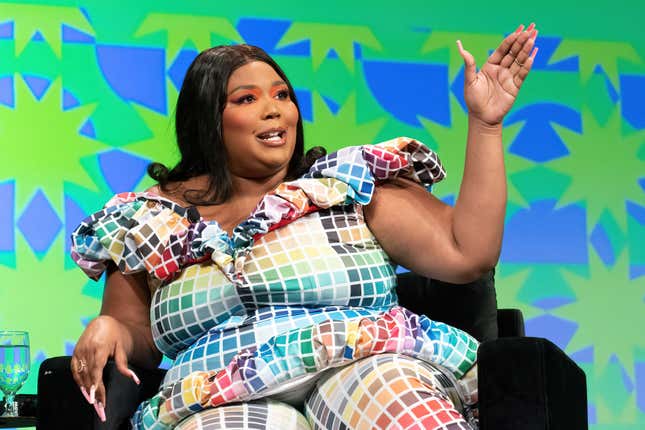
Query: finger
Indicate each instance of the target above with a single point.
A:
(121, 361)
(95, 375)
(81, 376)
(497, 55)
(470, 67)
(516, 47)
(518, 79)
(74, 366)
(100, 411)
(522, 56)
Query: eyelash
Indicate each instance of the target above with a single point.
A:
(282, 94)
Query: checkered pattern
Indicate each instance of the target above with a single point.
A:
(301, 286)
(264, 414)
(388, 391)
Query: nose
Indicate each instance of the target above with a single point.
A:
(271, 110)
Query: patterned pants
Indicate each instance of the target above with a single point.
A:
(386, 391)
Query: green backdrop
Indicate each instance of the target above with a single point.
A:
(87, 90)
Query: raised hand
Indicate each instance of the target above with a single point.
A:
(101, 340)
(491, 92)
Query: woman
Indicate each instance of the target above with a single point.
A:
(292, 308)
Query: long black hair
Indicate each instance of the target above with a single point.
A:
(198, 125)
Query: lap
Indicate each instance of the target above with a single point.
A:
(390, 391)
(262, 414)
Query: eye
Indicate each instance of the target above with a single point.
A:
(248, 98)
(283, 94)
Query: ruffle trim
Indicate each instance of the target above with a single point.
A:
(146, 232)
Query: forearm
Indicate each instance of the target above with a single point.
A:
(478, 217)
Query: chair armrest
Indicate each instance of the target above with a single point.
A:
(61, 404)
(529, 383)
(510, 323)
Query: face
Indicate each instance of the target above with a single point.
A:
(258, 122)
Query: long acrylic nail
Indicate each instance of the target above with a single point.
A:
(519, 28)
(101, 411)
(92, 393)
(87, 397)
(135, 377)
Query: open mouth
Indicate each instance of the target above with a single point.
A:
(274, 136)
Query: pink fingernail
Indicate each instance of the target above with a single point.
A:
(519, 28)
(135, 377)
(100, 411)
(92, 393)
(87, 397)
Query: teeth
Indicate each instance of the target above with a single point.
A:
(274, 135)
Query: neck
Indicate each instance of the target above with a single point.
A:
(244, 187)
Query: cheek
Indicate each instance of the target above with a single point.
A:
(292, 114)
(233, 121)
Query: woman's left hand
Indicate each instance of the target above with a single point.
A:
(491, 92)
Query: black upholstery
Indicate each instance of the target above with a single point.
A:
(524, 383)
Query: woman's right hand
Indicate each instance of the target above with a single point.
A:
(105, 337)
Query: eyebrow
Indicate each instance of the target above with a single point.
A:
(252, 87)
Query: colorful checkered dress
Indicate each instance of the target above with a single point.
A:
(302, 285)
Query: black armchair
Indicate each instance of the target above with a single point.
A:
(524, 383)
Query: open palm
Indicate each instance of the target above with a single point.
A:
(491, 92)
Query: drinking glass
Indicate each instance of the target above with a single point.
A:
(14, 367)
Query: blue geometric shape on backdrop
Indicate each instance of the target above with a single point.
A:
(37, 85)
(639, 374)
(69, 348)
(426, 85)
(449, 199)
(85, 14)
(39, 223)
(266, 33)
(602, 245)
(74, 214)
(7, 239)
(332, 54)
(637, 211)
(37, 37)
(627, 381)
(72, 35)
(632, 90)
(69, 101)
(6, 91)
(457, 88)
(122, 171)
(549, 303)
(6, 30)
(547, 47)
(538, 141)
(613, 94)
(331, 104)
(585, 355)
(135, 74)
(178, 68)
(88, 129)
(592, 413)
(543, 234)
(557, 330)
(358, 51)
(636, 271)
(305, 103)
(641, 182)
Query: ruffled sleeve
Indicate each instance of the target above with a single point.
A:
(144, 232)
